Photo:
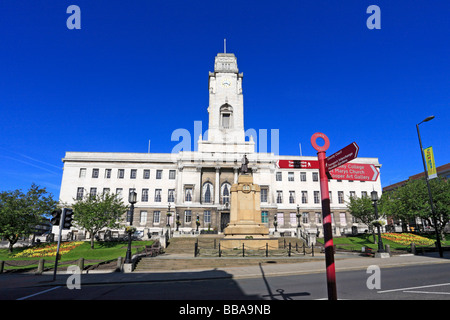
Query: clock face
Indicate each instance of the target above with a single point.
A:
(226, 83)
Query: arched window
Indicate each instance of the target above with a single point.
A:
(225, 191)
(226, 116)
(208, 192)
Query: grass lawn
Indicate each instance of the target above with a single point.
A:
(103, 251)
(366, 240)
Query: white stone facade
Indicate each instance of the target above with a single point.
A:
(196, 183)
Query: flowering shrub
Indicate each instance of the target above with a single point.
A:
(48, 250)
(407, 238)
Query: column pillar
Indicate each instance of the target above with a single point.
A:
(217, 187)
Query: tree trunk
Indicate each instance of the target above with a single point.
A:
(92, 241)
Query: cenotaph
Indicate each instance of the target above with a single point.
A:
(245, 227)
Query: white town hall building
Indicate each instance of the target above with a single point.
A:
(197, 183)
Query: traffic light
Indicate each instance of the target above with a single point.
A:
(56, 217)
(68, 217)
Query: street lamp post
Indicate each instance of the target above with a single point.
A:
(298, 216)
(438, 240)
(132, 199)
(169, 214)
(374, 196)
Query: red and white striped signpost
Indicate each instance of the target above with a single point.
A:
(326, 213)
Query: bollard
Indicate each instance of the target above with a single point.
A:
(304, 249)
(267, 249)
(387, 248)
(243, 251)
(2, 266)
(413, 248)
(40, 268)
(220, 253)
(80, 263)
(289, 252)
(195, 248)
(312, 250)
(119, 263)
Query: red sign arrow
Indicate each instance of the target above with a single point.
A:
(344, 155)
(298, 164)
(355, 171)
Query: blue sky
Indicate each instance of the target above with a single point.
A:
(138, 70)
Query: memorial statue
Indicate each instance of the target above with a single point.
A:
(244, 167)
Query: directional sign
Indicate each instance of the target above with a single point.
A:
(298, 164)
(344, 155)
(355, 171)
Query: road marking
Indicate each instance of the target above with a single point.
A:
(412, 288)
(427, 292)
(35, 294)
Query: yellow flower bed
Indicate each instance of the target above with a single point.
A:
(407, 238)
(48, 250)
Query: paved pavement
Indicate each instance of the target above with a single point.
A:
(268, 269)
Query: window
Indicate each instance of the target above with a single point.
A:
(316, 197)
(305, 217)
(95, 173)
(352, 194)
(80, 191)
(82, 172)
(291, 196)
(187, 216)
(280, 219)
(290, 176)
(133, 173)
(279, 196)
(302, 176)
(188, 194)
(293, 219)
(341, 196)
(318, 217)
(146, 174)
(171, 174)
(304, 196)
(207, 216)
(264, 191)
(106, 190)
(156, 217)
(363, 194)
(93, 192)
(264, 217)
(171, 195)
(207, 192)
(157, 195)
(226, 193)
(331, 198)
(225, 120)
(342, 218)
(119, 192)
(278, 176)
(143, 217)
(315, 176)
(144, 195)
(107, 173)
(158, 174)
(121, 173)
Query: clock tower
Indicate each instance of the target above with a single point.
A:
(226, 109)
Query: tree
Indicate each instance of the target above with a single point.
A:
(362, 209)
(20, 212)
(411, 201)
(94, 213)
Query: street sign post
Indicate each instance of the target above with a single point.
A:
(326, 214)
(355, 171)
(342, 156)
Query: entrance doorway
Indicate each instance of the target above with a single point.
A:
(224, 220)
